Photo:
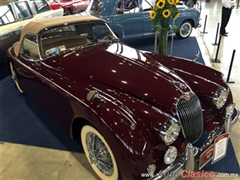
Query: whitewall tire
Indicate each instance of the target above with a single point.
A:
(99, 154)
(185, 30)
(14, 77)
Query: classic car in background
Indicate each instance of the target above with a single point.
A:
(136, 112)
(15, 14)
(130, 18)
(189, 3)
(69, 6)
(79, 7)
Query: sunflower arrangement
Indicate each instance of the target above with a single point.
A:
(161, 14)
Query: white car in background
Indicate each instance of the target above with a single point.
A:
(15, 14)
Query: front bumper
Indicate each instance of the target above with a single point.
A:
(174, 170)
(187, 162)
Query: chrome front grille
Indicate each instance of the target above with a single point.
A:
(190, 115)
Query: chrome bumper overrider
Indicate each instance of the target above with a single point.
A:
(187, 162)
(231, 120)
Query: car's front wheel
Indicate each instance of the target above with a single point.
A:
(14, 77)
(185, 30)
(99, 153)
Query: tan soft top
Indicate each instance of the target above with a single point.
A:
(7, 1)
(36, 26)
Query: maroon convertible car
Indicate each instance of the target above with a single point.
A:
(137, 114)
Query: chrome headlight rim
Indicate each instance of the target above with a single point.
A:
(170, 155)
(151, 168)
(220, 97)
(170, 131)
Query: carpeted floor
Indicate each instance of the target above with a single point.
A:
(185, 48)
(21, 121)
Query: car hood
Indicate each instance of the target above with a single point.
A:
(129, 70)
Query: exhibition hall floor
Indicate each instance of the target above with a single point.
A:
(26, 162)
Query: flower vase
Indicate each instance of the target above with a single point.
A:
(163, 42)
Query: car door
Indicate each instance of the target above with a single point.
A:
(80, 5)
(43, 84)
(13, 16)
(128, 17)
(147, 22)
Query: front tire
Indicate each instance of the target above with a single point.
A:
(14, 77)
(185, 30)
(99, 154)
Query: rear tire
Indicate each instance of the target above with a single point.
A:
(99, 153)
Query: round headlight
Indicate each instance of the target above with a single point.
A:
(170, 131)
(151, 168)
(170, 155)
(220, 97)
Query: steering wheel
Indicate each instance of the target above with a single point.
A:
(105, 37)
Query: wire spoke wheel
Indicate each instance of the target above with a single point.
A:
(98, 153)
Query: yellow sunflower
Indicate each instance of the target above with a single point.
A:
(176, 16)
(166, 13)
(160, 4)
(152, 14)
(177, 1)
(171, 2)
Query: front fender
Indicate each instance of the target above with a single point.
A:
(131, 142)
(188, 15)
(132, 133)
(117, 29)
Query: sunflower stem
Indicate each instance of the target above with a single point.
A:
(163, 42)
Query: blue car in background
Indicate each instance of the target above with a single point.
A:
(130, 18)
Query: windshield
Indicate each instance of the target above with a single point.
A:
(6, 15)
(75, 36)
(96, 6)
(40, 6)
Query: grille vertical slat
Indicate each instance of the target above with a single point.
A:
(190, 114)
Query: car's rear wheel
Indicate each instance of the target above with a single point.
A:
(185, 30)
(14, 77)
(99, 153)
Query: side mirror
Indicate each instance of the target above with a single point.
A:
(94, 94)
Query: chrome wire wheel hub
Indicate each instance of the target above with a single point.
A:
(99, 155)
(185, 30)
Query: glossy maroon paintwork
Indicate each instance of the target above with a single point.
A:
(136, 87)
